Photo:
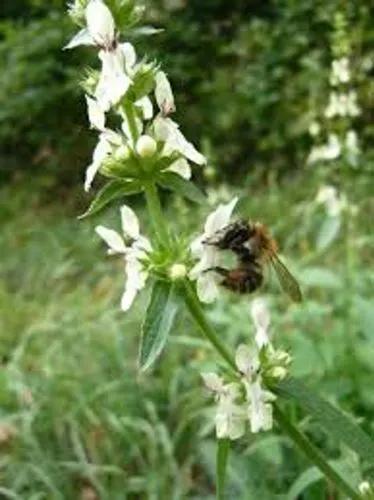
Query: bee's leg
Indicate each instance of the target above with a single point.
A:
(220, 270)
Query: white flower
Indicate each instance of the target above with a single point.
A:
(207, 286)
(314, 129)
(135, 254)
(230, 417)
(116, 59)
(100, 29)
(326, 152)
(166, 130)
(146, 106)
(261, 318)
(329, 197)
(164, 94)
(181, 167)
(247, 361)
(109, 141)
(260, 410)
(342, 105)
(352, 147)
(340, 72)
(260, 413)
(365, 489)
(113, 81)
(96, 115)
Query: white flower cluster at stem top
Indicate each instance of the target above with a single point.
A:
(245, 398)
(142, 134)
(342, 104)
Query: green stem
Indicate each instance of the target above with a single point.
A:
(129, 111)
(313, 454)
(197, 313)
(155, 212)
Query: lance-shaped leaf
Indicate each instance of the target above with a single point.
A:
(159, 319)
(112, 190)
(333, 420)
(176, 183)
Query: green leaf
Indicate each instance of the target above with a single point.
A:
(159, 319)
(112, 190)
(328, 232)
(306, 478)
(319, 277)
(223, 448)
(334, 421)
(175, 182)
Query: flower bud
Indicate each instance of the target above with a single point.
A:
(365, 489)
(278, 372)
(177, 271)
(146, 146)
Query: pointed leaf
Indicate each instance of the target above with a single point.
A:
(333, 420)
(223, 448)
(112, 190)
(176, 183)
(159, 319)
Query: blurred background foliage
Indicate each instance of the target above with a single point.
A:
(76, 419)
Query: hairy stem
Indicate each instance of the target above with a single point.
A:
(197, 313)
(313, 454)
(155, 212)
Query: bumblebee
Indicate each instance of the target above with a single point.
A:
(254, 249)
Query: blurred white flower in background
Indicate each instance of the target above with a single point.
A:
(333, 202)
(326, 152)
(208, 255)
(352, 147)
(314, 129)
(261, 318)
(134, 247)
(342, 105)
(340, 72)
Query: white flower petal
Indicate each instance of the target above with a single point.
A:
(207, 288)
(96, 115)
(129, 54)
(181, 167)
(261, 318)
(113, 82)
(213, 381)
(102, 150)
(168, 131)
(163, 93)
(219, 218)
(112, 239)
(260, 412)
(100, 23)
(128, 296)
(83, 37)
(145, 104)
(246, 359)
(130, 222)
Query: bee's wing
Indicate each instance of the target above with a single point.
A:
(286, 280)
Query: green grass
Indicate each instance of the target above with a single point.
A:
(84, 418)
